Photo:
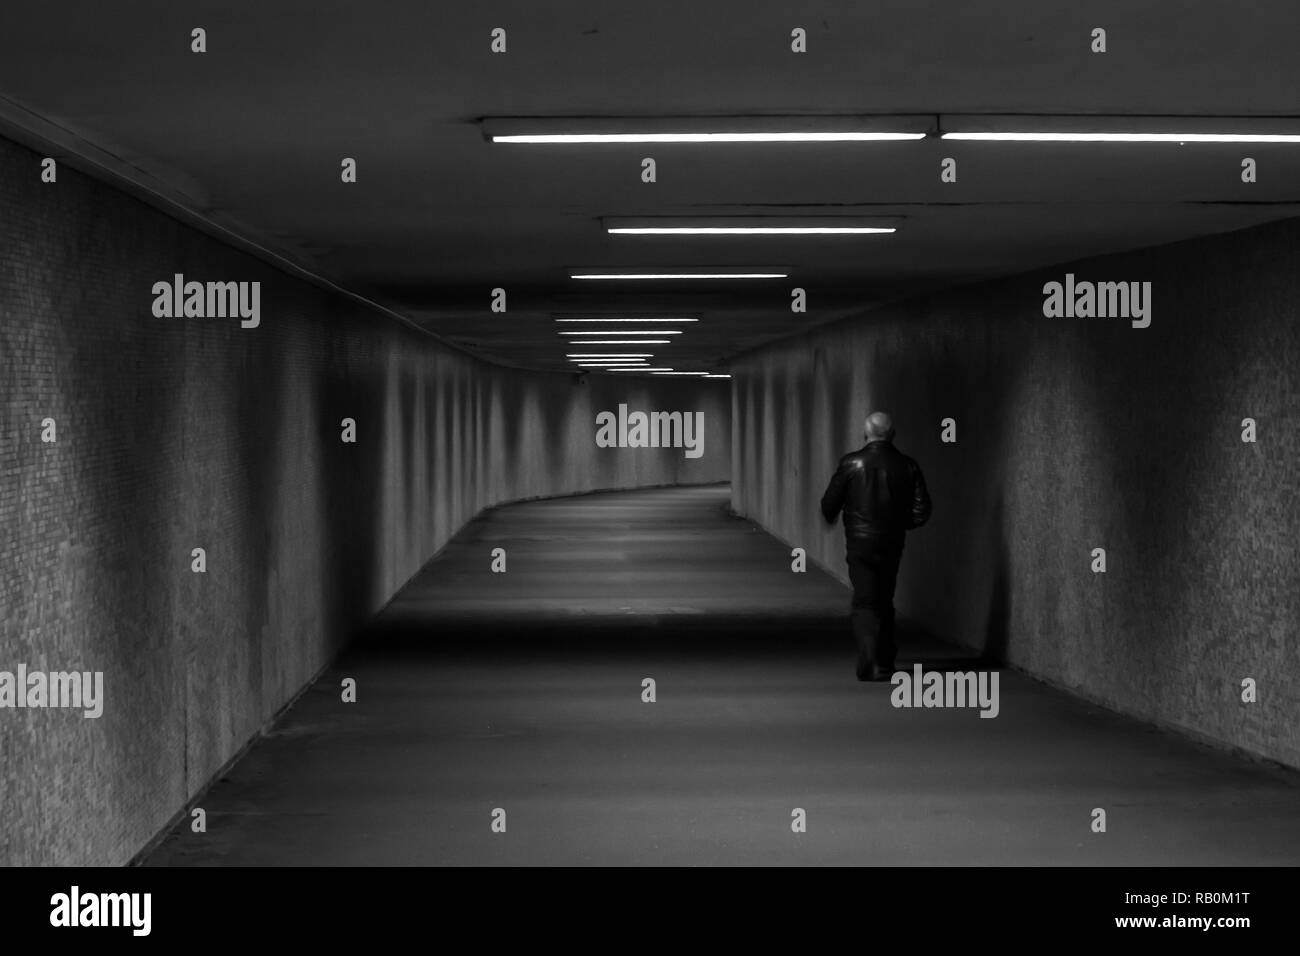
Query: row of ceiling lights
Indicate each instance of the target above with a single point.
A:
(643, 361)
(767, 130)
(627, 361)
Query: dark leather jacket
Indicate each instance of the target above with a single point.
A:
(881, 492)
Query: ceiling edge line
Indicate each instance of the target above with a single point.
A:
(31, 129)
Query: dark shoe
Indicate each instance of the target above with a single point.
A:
(874, 673)
(863, 666)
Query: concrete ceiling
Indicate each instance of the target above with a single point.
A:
(252, 132)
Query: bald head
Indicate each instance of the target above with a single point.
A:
(879, 426)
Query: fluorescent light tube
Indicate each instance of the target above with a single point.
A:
(1026, 137)
(716, 137)
(629, 332)
(627, 342)
(629, 320)
(681, 275)
(750, 230)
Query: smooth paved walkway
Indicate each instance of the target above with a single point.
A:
(522, 691)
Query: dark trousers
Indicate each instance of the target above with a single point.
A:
(873, 570)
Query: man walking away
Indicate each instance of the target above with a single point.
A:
(882, 495)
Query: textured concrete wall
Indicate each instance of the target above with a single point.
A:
(174, 434)
(1073, 434)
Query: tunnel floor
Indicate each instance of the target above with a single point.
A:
(522, 691)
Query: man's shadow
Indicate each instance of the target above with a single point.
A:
(918, 644)
(998, 621)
